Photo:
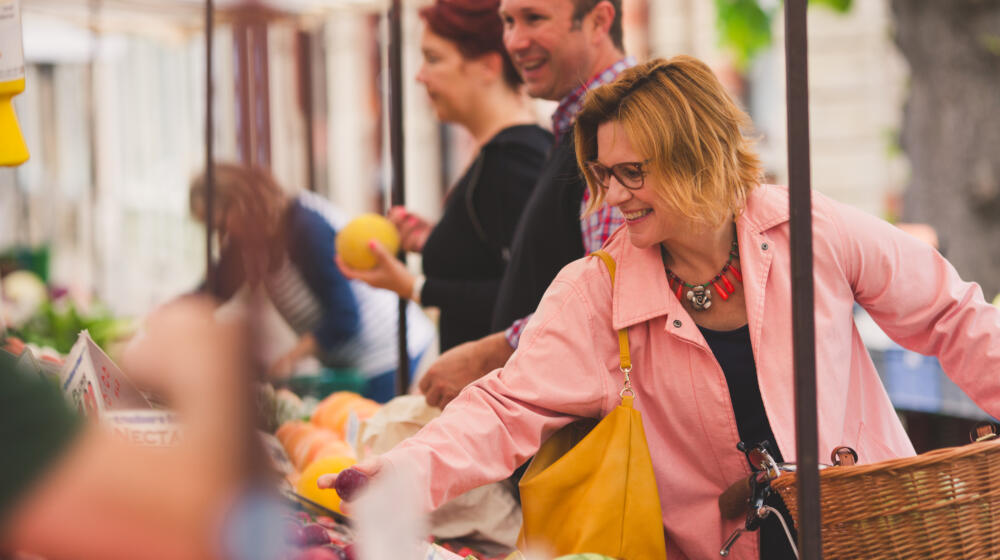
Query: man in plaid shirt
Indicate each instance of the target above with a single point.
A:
(562, 49)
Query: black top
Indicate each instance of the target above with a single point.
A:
(463, 258)
(734, 353)
(547, 238)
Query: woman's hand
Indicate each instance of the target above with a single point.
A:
(413, 230)
(461, 365)
(388, 273)
(349, 482)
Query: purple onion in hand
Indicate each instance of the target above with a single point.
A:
(349, 482)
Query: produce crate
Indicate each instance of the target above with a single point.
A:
(912, 380)
(26, 258)
(916, 382)
(327, 381)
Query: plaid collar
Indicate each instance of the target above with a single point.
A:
(569, 106)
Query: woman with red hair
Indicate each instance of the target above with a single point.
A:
(470, 81)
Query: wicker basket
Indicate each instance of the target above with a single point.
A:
(941, 504)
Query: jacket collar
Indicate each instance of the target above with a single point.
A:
(640, 291)
(767, 207)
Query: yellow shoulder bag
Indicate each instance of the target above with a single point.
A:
(591, 488)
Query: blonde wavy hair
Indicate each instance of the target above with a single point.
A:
(677, 115)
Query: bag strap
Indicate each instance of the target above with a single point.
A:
(624, 357)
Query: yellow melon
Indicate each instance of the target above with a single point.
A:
(352, 241)
(306, 485)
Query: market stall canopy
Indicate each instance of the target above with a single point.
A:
(159, 16)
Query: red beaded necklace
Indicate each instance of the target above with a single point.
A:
(700, 295)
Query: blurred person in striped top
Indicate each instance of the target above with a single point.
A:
(282, 243)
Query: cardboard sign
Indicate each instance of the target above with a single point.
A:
(99, 390)
(27, 361)
(94, 384)
(144, 427)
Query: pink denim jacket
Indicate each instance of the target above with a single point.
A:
(567, 364)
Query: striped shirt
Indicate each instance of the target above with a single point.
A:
(372, 348)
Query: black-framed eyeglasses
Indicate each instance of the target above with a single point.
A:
(630, 174)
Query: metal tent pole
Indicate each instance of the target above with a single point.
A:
(398, 194)
(803, 320)
(304, 67)
(209, 156)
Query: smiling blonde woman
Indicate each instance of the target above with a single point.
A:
(703, 288)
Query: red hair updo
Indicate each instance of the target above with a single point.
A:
(474, 27)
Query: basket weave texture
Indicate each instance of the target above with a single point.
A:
(940, 504)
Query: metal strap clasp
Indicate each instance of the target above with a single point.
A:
(627, 386)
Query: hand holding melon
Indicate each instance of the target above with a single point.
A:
(353, 241)
(366, 250)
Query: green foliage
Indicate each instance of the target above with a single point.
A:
(57, 325)
(744, 26)
(893, 142)
(841, 6)
(990, 43)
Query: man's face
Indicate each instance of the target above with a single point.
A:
(552, 52)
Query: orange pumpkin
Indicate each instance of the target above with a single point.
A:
(333, 448)
(331, 405)
(362, 408)
(286, 430)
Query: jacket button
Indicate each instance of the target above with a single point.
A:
(677, 323)
(763, 246)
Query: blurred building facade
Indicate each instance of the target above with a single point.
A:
(114, 117)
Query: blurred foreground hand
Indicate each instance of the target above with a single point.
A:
(99, 497)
